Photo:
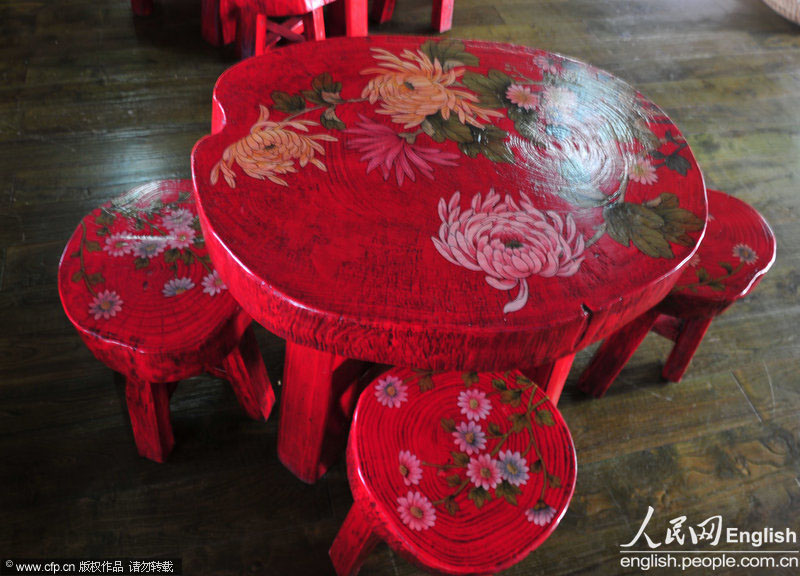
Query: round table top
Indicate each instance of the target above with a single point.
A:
(442, 203)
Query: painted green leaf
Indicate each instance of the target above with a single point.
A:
(187, 257)
(489, 141)
(199, 242)
(716, 285)
(324, 83)
(453, 480)
(519, 422)
(451, 129)
(171, 255)
(554, 481)
(469, 378)
(479, 496)
(451, 505)
(703, 275)
(490, 88)
(536, 467)
(544, 418)
(459, 458)
(95, 278)
(92, 246)
(627, 222)
(508, 491)
(448, 424)
(140, 263)
(330, 120)
(77, 276)
(494, 429)
(289, 103)
(449, 53)
(498, 384)
(727, 267)
(104, 219)
(511, 397)
(103, 231)
(526, 122)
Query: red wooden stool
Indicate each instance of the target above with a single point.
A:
(736, 252)
(441, 19)
(137, 282)
(250, 23)
(461, 473)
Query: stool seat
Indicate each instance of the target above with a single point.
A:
(738, 248)
(137, 282)
(461, 473)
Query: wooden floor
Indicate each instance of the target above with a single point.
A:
(94, 101)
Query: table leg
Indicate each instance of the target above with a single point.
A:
(317, 401)
(551, 377)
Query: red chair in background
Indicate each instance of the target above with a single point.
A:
(441, 19)
(737, 250)
(136, 281)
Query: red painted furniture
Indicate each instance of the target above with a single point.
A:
(142, 7)
(251, 23)
(136, 281)
(441, 17)
(736, 252)
(441, 204)
(461, 473)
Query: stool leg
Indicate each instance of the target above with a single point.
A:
(211, 22)
(614, 353)
(246, 16)
(311, 433)
(314, 25)
(348, 17)
(551, 377)
(142, 7)
(382, 11)
(245, 370)
(686, 344)
(148, 407)
(353, 543)
(442, 18)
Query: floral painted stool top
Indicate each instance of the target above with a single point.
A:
(441, 204)
(463, 473)
(737, 251)
(136, 273)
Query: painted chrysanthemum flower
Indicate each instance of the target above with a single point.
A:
(119, 244)
(410, 468)
(271, 149)
(149, 246)
(522, 97)
(541, 514)
(469, 437)
(179, 218)
(105, 305)
(390, 391)
(181, 237)
(643, 172)
(474, 404)
(383, 147)
(213, 284)
(483, 471)
(745, 254)
(508, 242)
(416, 511)
(177, 286)
(411, 87)
(513, 467)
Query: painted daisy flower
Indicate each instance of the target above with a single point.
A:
(546, 64)
(483, 471)
(416, 511)
(643, 172)
(149, 246)
(213, 284)
(694, 260)
(513, 467)
(559, 100)
(745, 254)
(541, 514)
(105, 305)
(410, 468)
(522, 96)
(474, 404)
(181, 237)
(176, 219)
(391, 392)
(469, 437)
(119, 244)
(177, 286)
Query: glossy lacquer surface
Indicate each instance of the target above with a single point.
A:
(440, 203)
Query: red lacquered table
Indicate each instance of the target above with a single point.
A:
(437, 204)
